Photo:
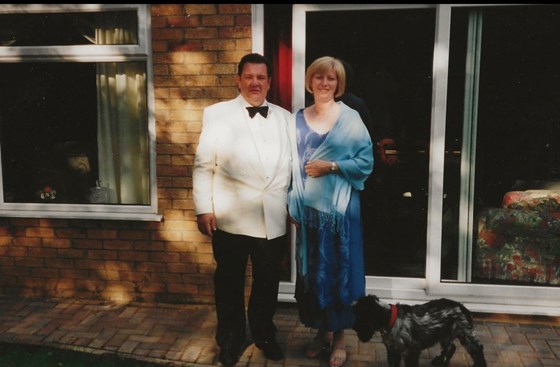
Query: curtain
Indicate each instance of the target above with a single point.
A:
(122, 133)
(282, 74)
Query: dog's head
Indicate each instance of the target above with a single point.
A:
(371, 316)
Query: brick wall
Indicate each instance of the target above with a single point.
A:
(196, 48)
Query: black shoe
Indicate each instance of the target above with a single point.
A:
(229, 355)
(271, 350)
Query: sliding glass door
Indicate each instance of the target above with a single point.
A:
(390, 52)
(464, 200)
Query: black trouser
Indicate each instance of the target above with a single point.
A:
(231, 253)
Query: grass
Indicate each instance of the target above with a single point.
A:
(24, 355)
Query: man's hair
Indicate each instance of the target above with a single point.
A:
(254, 58)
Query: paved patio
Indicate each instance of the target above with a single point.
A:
(183, 335)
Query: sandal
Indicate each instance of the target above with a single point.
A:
(338, 353)
(338, 357)
(317, 347)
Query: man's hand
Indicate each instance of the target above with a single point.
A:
(293, 221)
(206, 223)
(384, 144)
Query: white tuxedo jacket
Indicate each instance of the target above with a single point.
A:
(229, 177)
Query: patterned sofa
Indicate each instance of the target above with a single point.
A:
(520, 242)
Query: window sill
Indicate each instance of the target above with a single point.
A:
(150, 217)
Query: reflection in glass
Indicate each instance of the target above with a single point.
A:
(74, 132)
(391, 53)
(64, 29)
(512, 138)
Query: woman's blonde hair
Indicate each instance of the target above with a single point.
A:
(322, 66)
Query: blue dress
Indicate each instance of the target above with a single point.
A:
(335, 266)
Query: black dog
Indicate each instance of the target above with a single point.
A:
(407, 330)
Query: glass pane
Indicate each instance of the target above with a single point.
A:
(516, 135)
(64, 29)
(53, 120)
(390, 52)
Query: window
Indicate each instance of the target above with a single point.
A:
(76, 134)
(472, 95)
(502, 117)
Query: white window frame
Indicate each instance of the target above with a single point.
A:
(90, 53)
(478, 297)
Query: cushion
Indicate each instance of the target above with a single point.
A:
(538, 200)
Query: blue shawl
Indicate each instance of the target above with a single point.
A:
(323, 201)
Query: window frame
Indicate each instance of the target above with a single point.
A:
(89, 53)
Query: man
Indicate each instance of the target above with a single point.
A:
(240, 180)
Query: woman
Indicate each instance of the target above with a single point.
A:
(333, 156)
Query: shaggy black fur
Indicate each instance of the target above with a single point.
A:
(418, 327)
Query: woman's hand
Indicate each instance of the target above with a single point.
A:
(318, 168)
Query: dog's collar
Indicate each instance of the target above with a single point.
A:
(393, 317)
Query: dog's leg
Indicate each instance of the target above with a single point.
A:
(412, 358)
(438, 361)
(475, 349)
(477, 355)
(447, 351)
(393, 356)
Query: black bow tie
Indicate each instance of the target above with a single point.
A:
(263, 110)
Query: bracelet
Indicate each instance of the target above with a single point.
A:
(333, 167)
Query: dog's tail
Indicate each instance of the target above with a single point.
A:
(467, 314)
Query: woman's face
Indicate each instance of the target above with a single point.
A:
(324, 86)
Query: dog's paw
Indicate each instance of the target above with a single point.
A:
(438, 361)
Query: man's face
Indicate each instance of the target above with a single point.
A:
(254, 83)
